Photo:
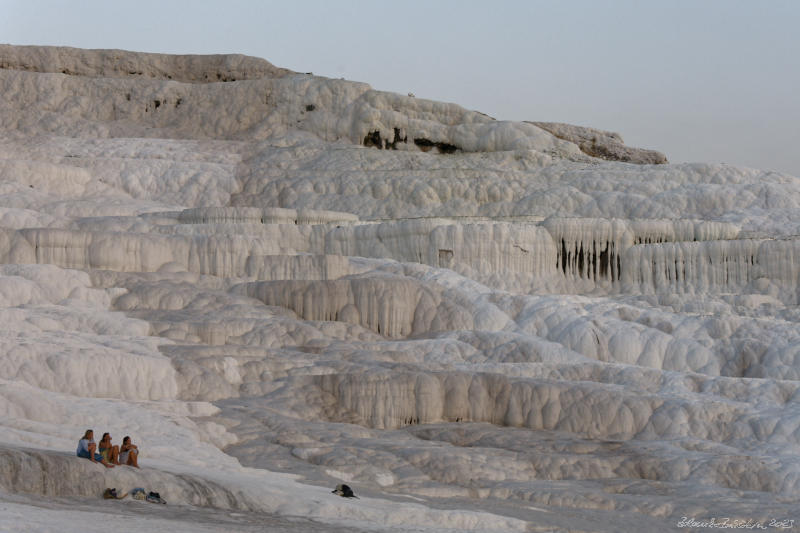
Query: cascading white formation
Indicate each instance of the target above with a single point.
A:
(253, 270)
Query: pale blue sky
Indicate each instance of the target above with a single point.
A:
(713, 80)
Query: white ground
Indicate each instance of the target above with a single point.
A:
(482, 329)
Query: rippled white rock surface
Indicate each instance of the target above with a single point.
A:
(276, 283)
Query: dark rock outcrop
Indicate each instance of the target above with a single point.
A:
(602, 144)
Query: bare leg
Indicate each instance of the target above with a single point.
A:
(92, 451)
(133, 458)
(113, 455)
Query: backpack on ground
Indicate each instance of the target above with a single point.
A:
(344, 491)
(112, 494)
(154, 497)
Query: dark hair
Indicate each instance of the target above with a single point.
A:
(125, 439)
(86, 434)
(105, 435)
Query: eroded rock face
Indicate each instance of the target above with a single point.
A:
(124, 64)
(300, 274)
(603, 144)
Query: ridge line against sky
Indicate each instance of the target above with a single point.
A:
(712, 81)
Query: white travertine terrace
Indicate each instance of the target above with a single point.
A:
(278, 282)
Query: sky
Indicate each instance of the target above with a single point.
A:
(700, 80)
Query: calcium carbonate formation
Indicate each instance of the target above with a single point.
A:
(260, 272)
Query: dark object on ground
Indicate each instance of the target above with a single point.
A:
(344, 491)
(154, 497)
(111, 494)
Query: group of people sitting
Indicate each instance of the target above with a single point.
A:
(106, 453)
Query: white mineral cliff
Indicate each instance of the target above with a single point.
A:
(277, 282)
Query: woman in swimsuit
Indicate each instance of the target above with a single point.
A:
(129, 453)
(87, 449)
(110, 453)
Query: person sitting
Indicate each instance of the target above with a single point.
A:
(129, 453)
(110, 453)
(87, 449)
